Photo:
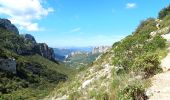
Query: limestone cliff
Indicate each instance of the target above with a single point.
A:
(45, 51)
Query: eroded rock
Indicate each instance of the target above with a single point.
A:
(6, 24)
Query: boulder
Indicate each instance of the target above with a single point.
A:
(6, 24)
(8, 65)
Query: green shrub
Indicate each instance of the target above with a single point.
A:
(165, 22)
(164, 12)
(146, 26)
(148, 63)
(132, 92)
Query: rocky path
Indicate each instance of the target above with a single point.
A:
(160, 89)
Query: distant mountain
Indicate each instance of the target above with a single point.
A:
(77, 57)
(100, 49)
(62, 53)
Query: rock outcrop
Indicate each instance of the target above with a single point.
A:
(6, 24)
(39, 48)
(28, 45)
(45, 51)
(29, 37)
(100, 49)
(8, 65)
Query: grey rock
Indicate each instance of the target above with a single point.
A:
(29, 37)
(45, 51)
(6, 24)
(100, 49)
(8, 65)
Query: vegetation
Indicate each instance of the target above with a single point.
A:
(147, 63)
(31, 78)
(165, 22)
(146, 26)
(137, 58)
(133, 60)
(128, 51)
(164, 12)
(80, 61)
(132, 92)
(36, 76)
(14, 42)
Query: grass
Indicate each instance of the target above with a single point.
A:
(39, 89)
(50, 65)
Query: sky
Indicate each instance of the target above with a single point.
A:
(79, 23)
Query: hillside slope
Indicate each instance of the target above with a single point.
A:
(28, 70)
(160, 89)
(124, 71)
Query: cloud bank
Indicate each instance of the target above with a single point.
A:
(24, 13)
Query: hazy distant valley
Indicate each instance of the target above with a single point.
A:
(79, 57)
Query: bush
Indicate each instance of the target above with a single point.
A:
(146, 26)
(165, 22)
(148, 63)
(132, 92)
(164, 12)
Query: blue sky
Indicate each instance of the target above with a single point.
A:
(65, 23)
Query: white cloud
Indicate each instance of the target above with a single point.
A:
(76, 29)
(24, 12)
(130, 5)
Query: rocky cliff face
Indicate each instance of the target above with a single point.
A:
(6, 24)
(45, 51)
(29, 37)
(100, 49)
(28, 44)
(39, 48)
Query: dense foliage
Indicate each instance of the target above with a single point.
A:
(14, 42)
(148, 63)
(133, 92)
(164, 12)
(35, 76)
(146, 26)
(139, 54)
(80, 61)
(128, 51)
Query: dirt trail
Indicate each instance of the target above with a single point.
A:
(160, 89)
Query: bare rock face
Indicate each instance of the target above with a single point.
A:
(6, 24)
(45, 51)
(100, 49)
(8, 65)
(39, 48)
(31, 47)
(29, 37)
